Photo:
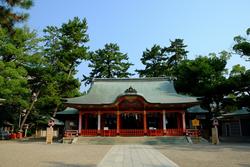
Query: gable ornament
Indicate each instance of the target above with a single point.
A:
(130, 90)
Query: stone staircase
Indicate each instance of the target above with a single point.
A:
(69, 140)
(164, 140)
(197, 140)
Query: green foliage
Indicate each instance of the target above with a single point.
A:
(9, 15)
(240, 88)
(176, 52)
(162, 61)
(108, 62)
(237, 70)
(64, 50)
(242, 45)
(155, 62)
(13, 84)
(20, 47)
(19, 56)
(240, 77)
(16, 55)
(65, 46)
(26, 68)
(204, 77)
(204, 73)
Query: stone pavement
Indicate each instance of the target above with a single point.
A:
(135, 156)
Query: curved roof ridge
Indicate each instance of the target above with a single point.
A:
(134, 79)
(153, 90)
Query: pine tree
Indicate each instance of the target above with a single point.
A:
(108, 62)
(64, 50)
(9, 15)
(155, 61)
(162, 61)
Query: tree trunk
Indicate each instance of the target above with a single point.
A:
(70, 71)
(55, 111)
(28, 112)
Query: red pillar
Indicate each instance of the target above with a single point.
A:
(145, 122)
(118, 122)
(183, 122)
(86, 121)
(80, 123)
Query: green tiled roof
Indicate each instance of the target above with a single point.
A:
(153, 90)
(242, 111)
(58, 122)
(68, 111)
(196, 109)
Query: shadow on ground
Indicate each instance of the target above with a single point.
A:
(61, 164)
(208, 147)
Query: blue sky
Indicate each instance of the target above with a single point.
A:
(206, 26)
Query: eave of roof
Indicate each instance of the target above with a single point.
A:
(68, 111)
(196, 109)
(242, 111)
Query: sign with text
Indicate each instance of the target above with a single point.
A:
(196, 122)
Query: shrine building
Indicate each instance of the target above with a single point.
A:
(129, 107)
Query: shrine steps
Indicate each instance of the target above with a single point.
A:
(147, 140)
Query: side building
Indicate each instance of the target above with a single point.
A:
(236, 124)
(129, 107)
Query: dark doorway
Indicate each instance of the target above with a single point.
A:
(131, 121)
(109, 120)
(154, 121)
(171, 121)
(92, 121)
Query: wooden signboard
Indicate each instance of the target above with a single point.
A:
(49, 136)
(195, 122)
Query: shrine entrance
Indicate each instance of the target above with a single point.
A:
(131, 121)
(131, 107)
(131, 116)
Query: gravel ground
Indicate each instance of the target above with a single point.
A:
(14, 154)
(206, 155)
(22, 154)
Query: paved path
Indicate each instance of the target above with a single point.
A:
(135, 156)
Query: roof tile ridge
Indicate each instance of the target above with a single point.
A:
(133, 79)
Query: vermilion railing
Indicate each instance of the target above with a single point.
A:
(131, 132)
(89, 132)
(110, 132)
(193, 132)
(70, 133)
(156, 132)
(174, 132)
(136, 132)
